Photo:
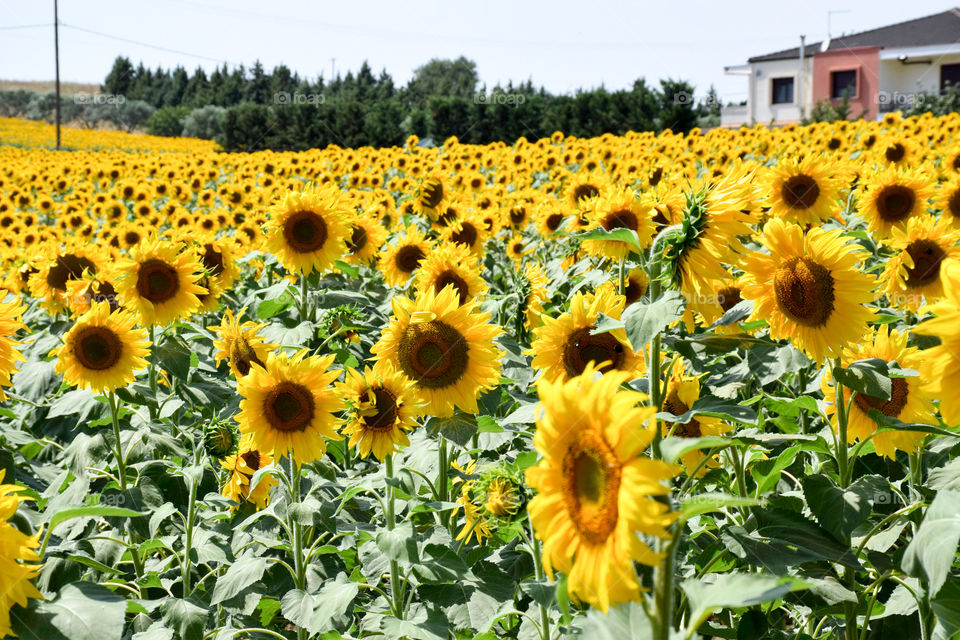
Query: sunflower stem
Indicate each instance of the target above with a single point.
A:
(442, 488)
(188, 544)
(391, 525)
(299, 567)
(539, 573)
(122, 476)
(152, 370)
(622, 285)
(663, 585)
(849, 579)
(653, 376)
(304, 302)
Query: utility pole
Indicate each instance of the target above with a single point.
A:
(56, 57)
(803, 39)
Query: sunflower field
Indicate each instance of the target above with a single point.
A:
(644, 387)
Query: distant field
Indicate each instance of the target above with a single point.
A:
(66, 88)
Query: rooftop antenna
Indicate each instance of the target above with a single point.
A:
(830, 18)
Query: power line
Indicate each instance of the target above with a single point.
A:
(142, 44)
(26, 26)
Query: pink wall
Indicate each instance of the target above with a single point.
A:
(866, 62)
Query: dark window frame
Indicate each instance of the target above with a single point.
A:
(773, 90)
(856, 84)
(952, 66)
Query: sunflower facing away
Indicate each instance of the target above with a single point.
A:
(308, 230)
(682, 391)
(595, 491)
(10, 322)
(447, 349)
(18, 557)
(381, 407)
(563, 347)
(160, 282)
(912, 274)
(809, 289)
(909, 397)
(941, 364)
(102, 350)
(805, 191)
(893, 196)
(240, 344)
(490, 501)
(288, 406)
(242, 466)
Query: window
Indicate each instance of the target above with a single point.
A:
(949, 75)
(782, 90)
(843, 83)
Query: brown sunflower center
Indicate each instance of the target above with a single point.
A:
(834, 143)
(634, 290)
(212, 260)
(673, 404)
(656, 176)
(433, 353)
(621, 219)
(408, 258)
(358, 238)
(894, 202)
(289, 407)
(305, 232)
(252, 458)
(927, 256)
(553, 221)
(728, 298)
(591, 484)
(68, 267)
(891, 408)
(953, 204)
(800, 192)
(98, 348)
(387, 410)
(518, 214)
(157, 281)
(581, 348)
(895, 152)
(585, 191)
(466, 234)
(431, 193)
(804, 291)
(131, 238)
(459, 284)
(243, 356)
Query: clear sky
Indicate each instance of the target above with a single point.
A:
(562, 45)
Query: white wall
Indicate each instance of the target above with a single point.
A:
(913, 78)
(763, 73)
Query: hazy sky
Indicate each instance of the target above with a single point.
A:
(561, 45)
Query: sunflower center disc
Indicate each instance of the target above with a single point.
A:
(623, 219)
(673, 404)
(252, 458)
(895, 152)
(358, 238)
(131, 238)
(633, 291)
(408, 258)
(584, 191)
(804, 291)
(591, 478)
(433, 353)
(289, 407)
(954, 203)
(895, 202)
(431, 193)
(800, 192)
(98, 348)
(927, 256)
(386, 415)
(466, 235)
(450, 277)
(212, 260)
(891, 408)
(518, 214)
(581, 348)
(553, 221)
(68, 267)
(157, 281)
(728, 298)
(305, 232)
(243, 356)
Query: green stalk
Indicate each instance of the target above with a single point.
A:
(442, 480)
(391, 525)
(304, 302)
(188, 545)
(843, 463)
(122, 474)
(299, 566)
(623, 285)
(663, 587)
(539, 573)
(152, 370)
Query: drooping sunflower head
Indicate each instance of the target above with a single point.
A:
(160, 282)
(595, 491)
(382, 405)
(620, 209)
(563, 347)
(242, 467)
(220, 439)
(891, 197)
(912, 274)
(809, 288)
(240, 343)
(446, 348)
(102, 350)
(451, 265)
(682, 392)
(806, 191)
(401, 259)
(288, 406)
(308, 229)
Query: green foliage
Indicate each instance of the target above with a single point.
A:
(167, 121)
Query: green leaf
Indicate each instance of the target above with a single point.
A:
(766, 473)
(627, 236)
(458, 428)
(707, 502)
(89, 512)
(486, 424)
(627, 621)
(79, 611)
(316, 612)
(173, 356)
(673, 448)
(188, 617)
(274, 307)
(869, 377)
(605, 324)
(715, 591)
(945, 477)
(526, 414)
(241, 574)
(716, 407)
(946, 606)
(399, 544)
(440, 565)
(736, 313)
(933, 549)
(840, 511)
(643, 321)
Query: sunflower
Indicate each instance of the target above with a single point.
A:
(583, 188)
(947, 200)
(219, 263)
(102, 350)
(940, 366)
(893, 196)
(242, 466)
(366, 237)
(240, 344)
(18, 557)
(88, 289)
(49, 282)
(446, 348)
(468, 231)
(536, 294)
(491, 500)
(308, 230)
(805, 191)
(809, 289)
(288, 406)
(909, 401)
(451, 264)
(160, 282)
(563, 347)
(475, 525)
(913, 273)
(381, 406)
(682, 391)
(430, 196)
(620, 209)
(595, 491)
(11, 314)
(399, 261)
